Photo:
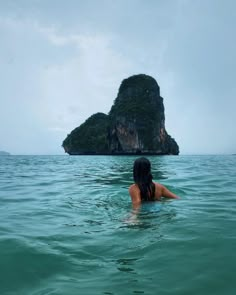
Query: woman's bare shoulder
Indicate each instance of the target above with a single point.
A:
(158, 190)
(164, 192)
(134, 193)
(133, 188)
(158, 186)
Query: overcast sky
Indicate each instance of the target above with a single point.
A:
(62, 61)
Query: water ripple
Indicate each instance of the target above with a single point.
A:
(68, 227)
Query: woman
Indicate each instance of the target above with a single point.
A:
(144, 189)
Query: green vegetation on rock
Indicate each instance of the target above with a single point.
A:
(90, 137)
(139, 101)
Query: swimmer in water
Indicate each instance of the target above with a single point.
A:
(144, 189)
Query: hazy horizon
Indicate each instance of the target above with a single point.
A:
(62, 62)
(110, 155)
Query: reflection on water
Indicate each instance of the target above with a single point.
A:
(125, 264)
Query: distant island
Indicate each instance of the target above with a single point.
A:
(2, 153)
(134, 125)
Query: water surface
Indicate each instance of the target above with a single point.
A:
(67, 227)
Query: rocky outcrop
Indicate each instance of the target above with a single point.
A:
(3, 153)
(135, 124)
(138, 119)
(90, 137)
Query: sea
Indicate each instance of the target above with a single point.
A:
(67, 226)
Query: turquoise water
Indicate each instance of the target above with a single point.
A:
(67, 227)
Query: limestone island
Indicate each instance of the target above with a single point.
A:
(2, 153)
(134, 125)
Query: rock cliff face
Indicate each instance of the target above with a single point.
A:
(135, 124)
(138, 119)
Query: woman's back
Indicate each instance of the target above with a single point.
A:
(144, 189)
(160, 191)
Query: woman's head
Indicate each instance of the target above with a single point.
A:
(143, 178)
(142, 170)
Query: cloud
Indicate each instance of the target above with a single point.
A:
(83, 83)
(61, 68)
(66, 89)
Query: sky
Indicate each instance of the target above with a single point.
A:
(62, 61)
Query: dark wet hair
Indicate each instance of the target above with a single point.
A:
(143, 178)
